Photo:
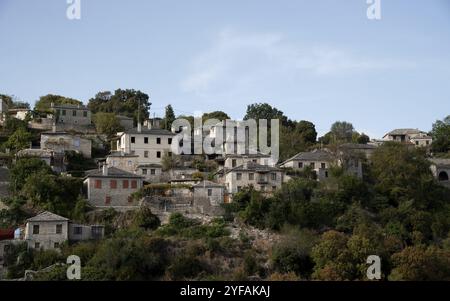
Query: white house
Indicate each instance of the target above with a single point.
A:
(317, 160)
(147, 143)
(414, 136)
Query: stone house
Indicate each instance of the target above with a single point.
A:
(262, 177)
(59, 142)
(112, 187)
(124, 161)
(149, 144)
(318, 160)
(233, 160)
(54, 160)
(48, 231)
(414, 136)
(71, 115)
(152, 173)
(210, 191)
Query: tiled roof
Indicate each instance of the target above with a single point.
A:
(47, 216)
(113, 172)
(404, 132)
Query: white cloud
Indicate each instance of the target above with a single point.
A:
(238, 61)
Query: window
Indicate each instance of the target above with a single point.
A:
(144, 171)
(145, 154)
(74, 113)
(274, 188)
(133, 139)
(125, 184)
(251, 176)
(134, 184)
(428, 142)
(233, 163)
(209, 192)
(312, 164)
(146, 140)
(96, 231)
(323, 165)
(58, 229)
(300, 164)
(263, 188)
(113, 184)
(152, 171)
(238, 176)
(239, 188)
(158, 154)
(273, 176)
(63, 112)
(107, 200)
(169, 140)
(84, 113)
(37, 245)
(158, 140)
(255, 161)
(78, 230)
(35, 229)
(56, 245)
(169, 154)
(326, 174)
(417, 142)
(130, 163)
(98, 184)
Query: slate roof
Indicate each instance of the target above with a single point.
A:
(404, 132)
(206, 183)
(251, 166)
(47, 216)
(113, 172)
(315, 155)
(257, 155)
(441, 162)
(147, 131)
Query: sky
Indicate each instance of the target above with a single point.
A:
(320, 60)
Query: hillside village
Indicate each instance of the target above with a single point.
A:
(75, 177)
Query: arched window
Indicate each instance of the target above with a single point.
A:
(443, 176)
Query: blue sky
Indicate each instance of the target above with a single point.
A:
(320, 60)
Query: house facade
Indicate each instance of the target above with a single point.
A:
(234, 160)
(112, 187)
(414, 136)
(210, 191)
(262, 177)
(317, 160)
(59, 142)
(149, 144)
(124, 161)
(71, 115)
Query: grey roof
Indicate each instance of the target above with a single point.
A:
(251, 166)
(69, 106)
(206, 183)
(113, 172)
(404, 132)
(147, 131)
(154, 165)
(257, 155)
(34, 152)
(358, 146)
(47, 216)
(315, 155)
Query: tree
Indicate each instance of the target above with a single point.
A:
(363, 139)
(107, 123)
(341, 131)
(144, 218)
(25, 167)
(441, 136)
(19, 140)
(421, 263)
(296, 139)
(259, 111)
(129, 102)
(169, 118)
(215, 115)
(44, 102)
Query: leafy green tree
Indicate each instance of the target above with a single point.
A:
(169, 117)
(25, 167)
(441, 135)
(144, 218)
(363, 139)
(128, 102)
(20, 139)
(44, 102)
(341, 131)
(259, 111)
(107, 123)
(215, 115)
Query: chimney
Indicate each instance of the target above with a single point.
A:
(139, 127)
(105, 169)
